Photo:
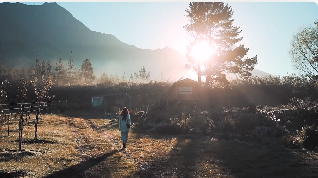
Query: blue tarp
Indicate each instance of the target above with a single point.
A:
(97, 101)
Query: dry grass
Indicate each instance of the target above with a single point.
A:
(77, 147)
(56, 151)
(57, 148)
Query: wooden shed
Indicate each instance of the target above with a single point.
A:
(185, 91)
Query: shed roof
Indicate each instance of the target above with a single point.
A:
(186, 80)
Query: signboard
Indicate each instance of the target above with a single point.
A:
(185, 90)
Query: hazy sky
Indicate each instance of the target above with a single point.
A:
(267, 28)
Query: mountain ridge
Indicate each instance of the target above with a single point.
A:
(50, 31)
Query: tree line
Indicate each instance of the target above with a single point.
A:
(68, 75)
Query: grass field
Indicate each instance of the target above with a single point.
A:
(90, 147)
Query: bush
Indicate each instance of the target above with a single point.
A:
(156, 116)
(244, 123)
(309, 136)
(252, 108)
(208, 126)
(171, 129)
(217, 114)
(292, 142)
(204, 123)
(226, 125)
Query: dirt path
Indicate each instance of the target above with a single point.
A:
(80, 139)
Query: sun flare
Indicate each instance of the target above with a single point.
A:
(201, 51)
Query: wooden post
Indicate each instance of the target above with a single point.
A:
(20, 130)
(36, 124)
(8, 124)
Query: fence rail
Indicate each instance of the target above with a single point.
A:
(21, 112)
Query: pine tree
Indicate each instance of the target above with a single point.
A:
(71, 70)
(143, 74)
(49, 68)
(212, 22)
(131, 78)
(123, 78)
(87, 71)
(60, 72)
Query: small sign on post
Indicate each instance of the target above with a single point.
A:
(185, 90)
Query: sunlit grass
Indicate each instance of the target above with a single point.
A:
(71, 141)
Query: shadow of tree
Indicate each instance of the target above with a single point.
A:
(243, 160)
(12, 174)
(14, 155)
(79, 169)
(199, 157)
(113, 124)
(180, 162)
(34, 141)
(90, 114)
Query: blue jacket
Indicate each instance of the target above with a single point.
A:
(122, 123)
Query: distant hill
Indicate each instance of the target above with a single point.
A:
(51, 31)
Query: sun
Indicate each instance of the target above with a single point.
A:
(202, 51)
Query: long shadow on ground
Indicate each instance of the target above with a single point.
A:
(14, 155)
(199, 157)
(242, 160)
(180, 162)
(12, 174)
(79, 170)
(90, 114)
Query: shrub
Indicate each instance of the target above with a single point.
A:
(156, 116)
(309, 135)
(263, 119)
(203, 123)
(244, 123)
(170, 128)
(208, 126)
(292, 142)
(217, 114)
(252, 108)
(227, 125)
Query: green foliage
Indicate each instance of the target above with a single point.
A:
(304, 51)
(212, 22)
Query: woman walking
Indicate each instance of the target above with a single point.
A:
(124, 125)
